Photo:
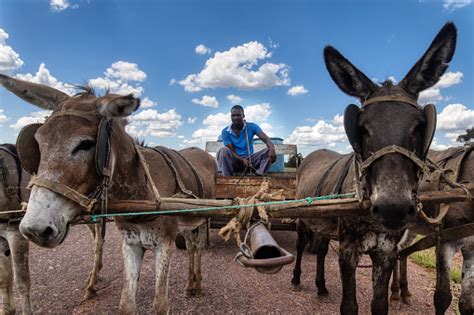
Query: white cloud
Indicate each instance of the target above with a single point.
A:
(235, 68)
(322, 134)
(433, 94)
(35, 117)
(455, 117)
(191, 120)
(147, 103)
(202, 50)
(3, 117)
(455, 4)
(150, 122)
(173, 81)
(61, 5)
(435, 145)
(234, 99)
(9, 59)
(206, 100)
(297, 90)
(43, 76)
(122, 78)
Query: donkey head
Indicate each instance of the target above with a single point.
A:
(390, 116)
(70, 154)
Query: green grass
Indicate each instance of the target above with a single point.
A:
(427, 258)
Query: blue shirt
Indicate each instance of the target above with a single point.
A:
(239, 142)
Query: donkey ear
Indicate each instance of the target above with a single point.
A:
(347, 77)
(37, 94)
(351, 126)
(118, 105)
(430, 128)
(431, 66)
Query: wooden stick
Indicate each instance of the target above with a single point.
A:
(319, 208)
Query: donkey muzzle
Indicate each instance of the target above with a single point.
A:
(393, 213)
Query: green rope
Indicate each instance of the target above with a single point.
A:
(308, 200)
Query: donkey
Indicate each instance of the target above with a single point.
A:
(461, 161)
(85, 152)
(390, 121)
(13, 246)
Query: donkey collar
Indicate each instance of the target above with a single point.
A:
(392, 98)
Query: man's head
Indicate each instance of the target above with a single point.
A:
(237, 116)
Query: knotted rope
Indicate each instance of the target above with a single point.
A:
(245, 215)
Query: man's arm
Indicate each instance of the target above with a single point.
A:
(271, 148)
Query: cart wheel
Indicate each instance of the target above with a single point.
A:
(180, 242)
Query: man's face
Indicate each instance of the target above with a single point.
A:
(237, 116)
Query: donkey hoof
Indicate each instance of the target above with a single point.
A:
(323, 292)
(296, 287)
(189, 292)
(394, 298)
(90, 293)
(198, 292)
(407, 300)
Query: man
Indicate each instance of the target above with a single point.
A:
(237, 153)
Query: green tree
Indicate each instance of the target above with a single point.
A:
(467, 138)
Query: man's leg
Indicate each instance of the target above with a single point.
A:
(226, 161)
(260, 161)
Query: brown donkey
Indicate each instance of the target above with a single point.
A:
(68, 173)
(390, 134)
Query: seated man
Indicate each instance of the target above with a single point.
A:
(237, 153)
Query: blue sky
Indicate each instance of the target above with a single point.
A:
(189, 61)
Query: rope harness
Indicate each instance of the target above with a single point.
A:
(11, 192)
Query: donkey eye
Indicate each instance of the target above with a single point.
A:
(85, 145)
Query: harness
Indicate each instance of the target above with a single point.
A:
(12, 192)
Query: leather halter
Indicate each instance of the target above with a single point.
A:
(391, 98)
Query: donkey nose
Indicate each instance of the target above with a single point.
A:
(393, 213)
(41, 235)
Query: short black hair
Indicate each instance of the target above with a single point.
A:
(237, 107)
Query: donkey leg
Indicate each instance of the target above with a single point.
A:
(348, 259)
(395, 287)
(190, 239)
(466, 300)
(7, 302)
(201, 243)
(93, 278)
(383, 262)
(20, 250)
(132, 261)
(442, 295)
(300, 246)
(162, 257)
(323, 246)
(405, 293)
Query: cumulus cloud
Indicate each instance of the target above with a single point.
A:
(150, 122)
(321, 134)
(207, 101)
(455, 4)
(234, 99)
(237, 67)
(147, 103)
(44, 76)
(213, 124)
(433, 94)
(61, 5)
(3, 117)
(435, 145)
(33, 118)
(122, 78)
(9, 59)
(191, 120)
(297, 90)
(202, 50)
(455, 117)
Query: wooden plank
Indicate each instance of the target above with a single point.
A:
(247, 186)
(214, 146)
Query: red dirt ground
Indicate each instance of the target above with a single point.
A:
(59, 277)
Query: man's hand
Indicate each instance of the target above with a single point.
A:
(272, 155)
(246, 162)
